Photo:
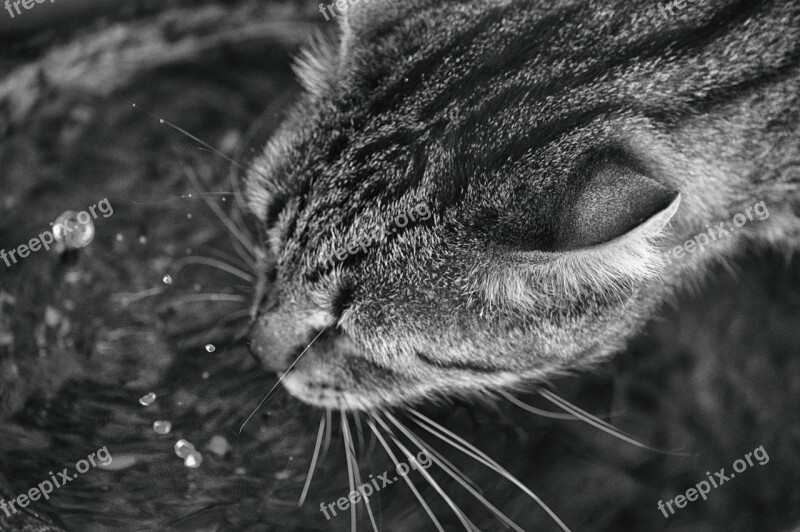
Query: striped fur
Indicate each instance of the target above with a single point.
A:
(488, 112)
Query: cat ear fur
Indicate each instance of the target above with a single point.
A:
(365, 17)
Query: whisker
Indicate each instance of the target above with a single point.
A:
(214, 263)
(226, 221)
(328, 426)
(347, 449)
(453, 472)
(470, 450)
(266, 397)
(277, 104)
(233, 260)
(359, 430)
(357, 473)
(195, 298)
(469, 525)
(182, 196)
(539, 412)
(313, 465)
(184, 132)
(126, 298)
(408, 480)
(245, 254)
(239, 314)
(599, 423)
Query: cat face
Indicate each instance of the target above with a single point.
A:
(540, 247)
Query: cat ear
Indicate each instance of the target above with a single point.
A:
(615, 202)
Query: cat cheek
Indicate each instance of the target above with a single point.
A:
(423, 211)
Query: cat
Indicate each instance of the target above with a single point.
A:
(562, 148)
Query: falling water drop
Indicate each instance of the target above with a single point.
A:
(183, 448)
(72, 232)
(147, 399)
(167, 279)
(193, 460)
(219, 445)
(162, 427)
(210, 348)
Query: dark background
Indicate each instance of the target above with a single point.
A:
(82, 337)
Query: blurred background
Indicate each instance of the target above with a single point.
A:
(84, 335)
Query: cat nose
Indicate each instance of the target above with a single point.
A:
(277, 340)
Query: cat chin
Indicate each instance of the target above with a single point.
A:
(300, 388)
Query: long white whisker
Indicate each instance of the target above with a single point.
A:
(352, 452)
(469, 525)
(596, 422)
(225, 320)
(470, 450)
(314, 457)
(408, 480)
(194, 298)
(453, 472)
(359, 431)
(328, 425)
(226, 221)
(347, 448)
(266, 397)
(214, 263)
(534, 410)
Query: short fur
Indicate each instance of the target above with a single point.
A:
(513, 121)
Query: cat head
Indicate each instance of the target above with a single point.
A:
(453, 207)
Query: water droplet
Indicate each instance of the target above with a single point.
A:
(189, 216)
(193, 460)
(162, 427)
(160, 120)
(210, 348)
(183, 448)
(205, 375)
(240, 471)
(119, 237)
(72, 231)
(219, 445)
(143, 240)
(167, 279)
(118, 462)
(147, 399)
